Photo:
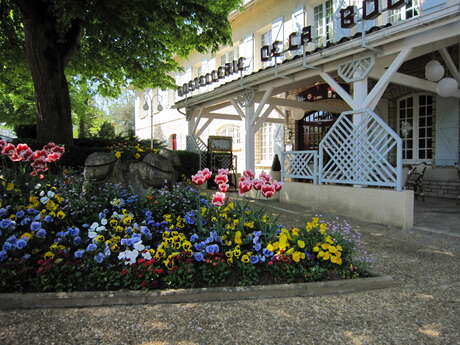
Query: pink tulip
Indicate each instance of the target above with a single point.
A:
(266, 177)
(49, 147)
(8, 149)
(248, 174)
(244, 186)
(198, 178)
(278, 185)
(223, 187)
(39, 154)
(257, 183)
(218, 199)
(53, 157)
(221, 179)
(222, 172)
(206, 173)
(268, 190)
(58, 149)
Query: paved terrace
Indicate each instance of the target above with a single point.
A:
(423, 309)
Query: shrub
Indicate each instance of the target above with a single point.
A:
(189, 161)
(107, 131)
(26, 131)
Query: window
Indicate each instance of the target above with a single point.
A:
(268, 141)
(229, 56)
(323, 22)
(415, 124)
(410, 10)
(231, 131)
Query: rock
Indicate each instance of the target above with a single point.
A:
(154, 171)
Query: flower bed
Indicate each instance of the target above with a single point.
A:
(55, 237)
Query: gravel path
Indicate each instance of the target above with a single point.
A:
(424, 309)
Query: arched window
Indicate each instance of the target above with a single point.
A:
(231, 131)
(415, 126)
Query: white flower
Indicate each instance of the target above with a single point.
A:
(129, 256)
(104, 221)
(38, 186)
(42, 193)
(92, 234)
(146, 255)
(94, 226)
(139, 246)
(100, 228)
(51, 194)
(44, 199)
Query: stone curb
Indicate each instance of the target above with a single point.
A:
(10, 301)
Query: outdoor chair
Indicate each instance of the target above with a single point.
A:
(415, 180)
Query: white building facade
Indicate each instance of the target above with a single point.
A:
(348, 92)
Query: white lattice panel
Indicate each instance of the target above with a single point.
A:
(300, 164)
(358, 152)
(197, 145)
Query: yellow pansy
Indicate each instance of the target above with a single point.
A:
(236, 252)
(27, 235)
(329, 239)
(249, 224)
(229, 253)
(316, 249)
(137, 156)
(230, 261)
(115, 248)
(297, 256)
(9, 186)
(245, 258)
(60, 215)
(325, 246)
(322, 228)
(100, 238)
(301, 244)
(238, 237)
(295, 231)
(117, 155)
(339, 247)
(48, 255)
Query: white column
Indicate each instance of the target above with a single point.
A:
(359, 97)
(250, 136)
(190, 128)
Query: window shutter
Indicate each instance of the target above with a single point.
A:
(278, 35)
(247, 51)
(447, 136)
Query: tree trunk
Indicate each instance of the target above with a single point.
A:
(47, 58)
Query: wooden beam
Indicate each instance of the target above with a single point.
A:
(262, 103)
(405, 80)
(374, 96)
(278, 110)
(260, 120)
(205, 125)
(331, 106)
(339, 89)
(450, 64)
(197, 120)
(237, 108)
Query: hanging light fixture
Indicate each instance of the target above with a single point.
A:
(434, 71)
(447, 87)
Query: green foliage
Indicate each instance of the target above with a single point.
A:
(26, 131)
(189, 162)
(107, 131)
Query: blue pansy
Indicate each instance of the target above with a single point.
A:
(20, 244)
(2, 212)
(35, 226)
(3, 255)
(5, 223)
(77, 240)
(41, 233)
(48, 219)
(198, 256)
(99, 257)
(91, 247)
(148, 214)
(257, 247)
(26, 256)
(212, 249)
(7, 246)
(267, 252)
(20, 214)
(107, 250)
(254, 259)
(79, 253)
(193, 238)
(74, 231)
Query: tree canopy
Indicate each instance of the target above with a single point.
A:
(109, 43)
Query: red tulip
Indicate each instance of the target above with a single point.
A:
(223, 187)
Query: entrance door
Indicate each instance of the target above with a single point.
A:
(312, 129)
